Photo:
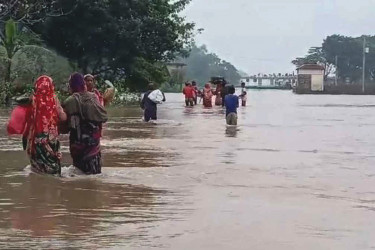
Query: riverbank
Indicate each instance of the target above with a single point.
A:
(126, 98)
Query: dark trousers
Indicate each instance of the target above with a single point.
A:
(189, 101)
(150, 114)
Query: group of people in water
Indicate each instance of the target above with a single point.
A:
(43, 118)
(224, 96)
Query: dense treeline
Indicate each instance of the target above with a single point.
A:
(117, 39)
(127, 41)
(201, 65)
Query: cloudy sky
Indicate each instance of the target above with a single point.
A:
(263, 36)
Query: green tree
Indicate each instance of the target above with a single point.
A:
(22, 59)
(11, 41)
(110, 37)
(32, 11)
(349, 55)
(202, 65)
(347, 52)
(316, 55)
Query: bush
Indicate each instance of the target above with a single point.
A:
(166, 87)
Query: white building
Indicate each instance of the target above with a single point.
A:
(310, 77)
(269, 81)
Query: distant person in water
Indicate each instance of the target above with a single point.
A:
(224, 92)
(243, 95)
(85, 118)
(218, 90)
(195, 92)
(149, 102)
(207, 96)
(188, 91)
(231, 105)
(109, 93)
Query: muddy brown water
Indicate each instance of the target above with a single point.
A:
(298, 172)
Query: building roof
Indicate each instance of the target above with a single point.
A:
(311, 66)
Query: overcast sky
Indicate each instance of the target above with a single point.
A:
(263, 36)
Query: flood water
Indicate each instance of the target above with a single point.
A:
(298, 172)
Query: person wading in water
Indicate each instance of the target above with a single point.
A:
(188, 91)
(109, 93)
(149, 102)
(85, 118)
(231, 105)
(40, 136)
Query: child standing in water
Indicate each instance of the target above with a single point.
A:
(231, 105)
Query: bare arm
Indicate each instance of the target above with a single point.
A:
(60, 111)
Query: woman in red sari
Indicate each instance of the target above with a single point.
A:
(41, 131)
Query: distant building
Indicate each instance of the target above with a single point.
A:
(269, 81)
(310, 78)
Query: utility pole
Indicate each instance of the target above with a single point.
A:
(336, 61)
(364, 64)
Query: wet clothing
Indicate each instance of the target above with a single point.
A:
(218, 100)
(189, 92)
(224, 93)
(243, 97)
(45, 159)
(231, 119)
(149, 107)
(195, 92)
(231, 104)
(207, 96)
(189, 101)
(218, 97)
(85, 118)
(41, 132)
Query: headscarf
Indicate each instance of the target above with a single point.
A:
(88, 75)
(44, 116)
(77, 83)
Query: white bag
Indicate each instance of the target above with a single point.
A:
(156, 96)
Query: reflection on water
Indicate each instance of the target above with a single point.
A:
(231, 131)
(296, 173)
(72, 210)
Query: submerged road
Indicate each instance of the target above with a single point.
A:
(298, 172)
